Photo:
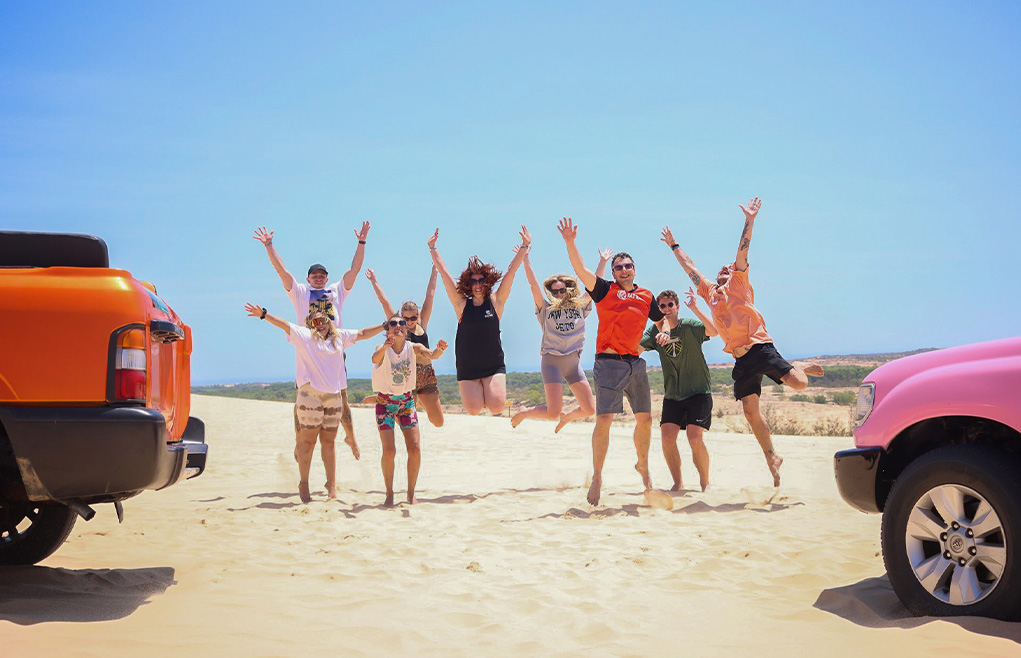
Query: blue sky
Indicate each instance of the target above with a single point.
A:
(882, 137)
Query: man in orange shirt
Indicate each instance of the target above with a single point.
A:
(623, 309)
(732, 303)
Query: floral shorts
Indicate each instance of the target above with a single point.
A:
(392, 409)
(314, 409)
(425, 378)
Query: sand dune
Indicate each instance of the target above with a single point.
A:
(502, 557)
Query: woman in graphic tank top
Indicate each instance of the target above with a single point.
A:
(478, 353)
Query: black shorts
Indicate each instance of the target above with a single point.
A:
(761, 359)
(696, 410)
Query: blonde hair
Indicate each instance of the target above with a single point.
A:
(331, 331)
(571, 296)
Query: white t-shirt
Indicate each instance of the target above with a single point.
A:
(321, 363)
(328, 300)
(396, 375)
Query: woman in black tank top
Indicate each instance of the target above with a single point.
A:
(481, 377)
(427, 395)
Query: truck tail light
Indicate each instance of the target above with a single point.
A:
(129, 366)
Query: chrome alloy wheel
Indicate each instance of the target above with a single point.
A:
(955, 544)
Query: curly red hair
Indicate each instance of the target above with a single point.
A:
(477, 267)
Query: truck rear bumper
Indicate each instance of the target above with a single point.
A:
(856, 471)
(97, 454)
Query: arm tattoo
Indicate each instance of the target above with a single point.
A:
(745, 240)
(695, 279)
(745, 244)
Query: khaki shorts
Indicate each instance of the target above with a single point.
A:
(317, 410)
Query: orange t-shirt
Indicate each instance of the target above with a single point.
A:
(622, 316)
(734, 313)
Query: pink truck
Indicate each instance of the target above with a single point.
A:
(938, 452)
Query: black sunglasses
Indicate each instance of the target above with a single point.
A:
(398, 323)
(667, 305)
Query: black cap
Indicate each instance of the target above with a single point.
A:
(317, 266)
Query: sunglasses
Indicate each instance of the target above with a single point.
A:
(623, 266)
(398, 323)
(410, 318)
(558, 291)
(667, 305)
(478, 280)
(319, 321)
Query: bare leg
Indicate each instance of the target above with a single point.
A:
(586, 404)
(329, 455)
(643, 437)
(699, 454)
(668, 434)
(411, 442)
(548, 411)
(600, 444)
(761, 430)
(386, 436)
(303, 449)
(798, 377)
(431, 403)
(472, 396)
(495, 390)
(349, 428)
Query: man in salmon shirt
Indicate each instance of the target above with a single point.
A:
(623, 309)
(732, 303)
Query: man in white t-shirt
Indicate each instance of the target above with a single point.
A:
(318, 295)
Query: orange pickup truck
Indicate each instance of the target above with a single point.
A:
(94, 390)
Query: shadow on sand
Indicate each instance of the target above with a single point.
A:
(35, 595)
(872, 603)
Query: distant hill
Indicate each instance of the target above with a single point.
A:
(865, 360)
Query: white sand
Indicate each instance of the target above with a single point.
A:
(502, 557)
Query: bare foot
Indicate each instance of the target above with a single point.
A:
(643, 470)
(517, 418)
(303, 493)
(389, 502)
(812, 369)
(369, 399)
(705, 485)
(678, 486)
(331, 490)
(593, 491)
(350, 440)
(412, 500)
(560, 425)
(774, 461)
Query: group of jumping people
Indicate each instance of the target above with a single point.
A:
(403, 377)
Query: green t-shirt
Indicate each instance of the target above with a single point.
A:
(685, 372)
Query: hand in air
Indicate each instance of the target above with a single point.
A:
(668, 237)
(370, 275)
(689, 299)
(606, 254)
(434, 238)
(442, 344)
(567, 229)
(526, 237)
(253, 310)
(753, 208)
(264, 236)
(362, 234)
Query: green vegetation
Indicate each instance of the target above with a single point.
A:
(844, 397)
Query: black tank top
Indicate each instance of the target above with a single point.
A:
(421, 340)
(477, 349)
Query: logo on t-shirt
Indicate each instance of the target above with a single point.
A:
(564, 319)
(673, 347)
(321, 300)
(401, 371)
(489, 313)
(623, 294)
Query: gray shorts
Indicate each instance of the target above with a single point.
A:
(556, 368)
(617, 376)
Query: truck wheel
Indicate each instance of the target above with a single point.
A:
(30, 532)
(952, 534)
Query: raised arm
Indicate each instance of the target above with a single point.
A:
(604, 257)
(503, 290)
(682, 258)
(691, 301)
(266, 238)
(388, 309)
(569, 232)
(356, 261)
(368, 332)
(260, 312)
(377, 354)
(741, 262)
(457, 300)
(431, 354)
(427, 304)
(533, 283)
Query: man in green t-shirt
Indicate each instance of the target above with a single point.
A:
(688, 403)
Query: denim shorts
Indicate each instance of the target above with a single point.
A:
(617, 375)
